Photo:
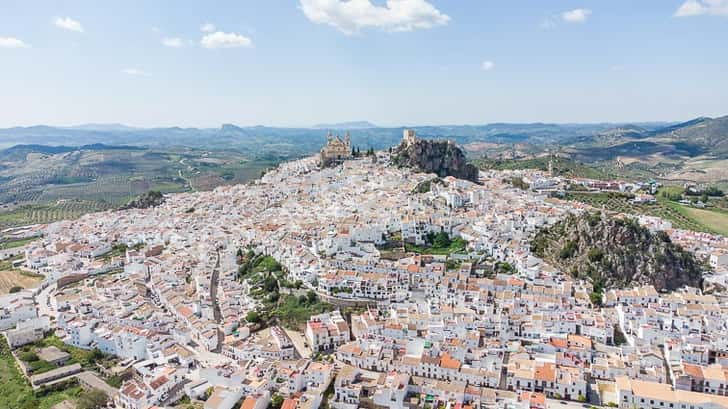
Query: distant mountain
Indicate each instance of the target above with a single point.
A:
(700, 136)
(275, 142)
(712, 134)
(624, 131)
(103, 127)
(346, 125)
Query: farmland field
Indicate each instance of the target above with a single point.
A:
(38, 186)
(717, 220)
(48, 213)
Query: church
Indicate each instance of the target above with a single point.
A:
(336, 150)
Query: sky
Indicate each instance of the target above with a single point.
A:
(392, 62)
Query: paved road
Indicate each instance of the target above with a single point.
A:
(553, 403)
(208, 358)
(43, 300)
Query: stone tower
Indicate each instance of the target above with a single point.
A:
(409, 137)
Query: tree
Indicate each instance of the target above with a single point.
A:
(276, 401)
(92, 399)
(312, 296)
(253, 317)
(619, 338)
(16, 289)
(441, 240)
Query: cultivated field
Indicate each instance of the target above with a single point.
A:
(48, 213)
(46, 187)
(717, 220)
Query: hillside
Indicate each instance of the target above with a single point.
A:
(700, 136)
(443, 158)
(614, 252)
(712, 134)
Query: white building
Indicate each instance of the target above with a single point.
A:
(327, 331)
(28, 331)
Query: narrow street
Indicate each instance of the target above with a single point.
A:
(213, 290)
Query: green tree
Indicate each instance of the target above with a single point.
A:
(441, 240)
(253, 317)
(16, 289)
(276, 401)
(93, 399)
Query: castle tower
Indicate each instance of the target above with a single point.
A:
(347, 140)
(408, 136)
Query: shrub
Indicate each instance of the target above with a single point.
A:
(595, 255)
(28, 356)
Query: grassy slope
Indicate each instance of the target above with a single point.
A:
(715, 219)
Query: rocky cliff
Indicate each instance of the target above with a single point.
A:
(614, 252)
(443, 158)
(152, 198)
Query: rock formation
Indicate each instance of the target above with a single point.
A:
(443, 158)
(615, 252)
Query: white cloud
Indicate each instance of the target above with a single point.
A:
(353, 15)
(487, 65)
(220, 39)
(576, 15)
(67, 23)
(135, 72)
(703, 7)
(174, 42)
(207, 28)
(12, 42)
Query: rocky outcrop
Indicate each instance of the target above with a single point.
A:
(614, 252)
(152, 198)
(443, 158)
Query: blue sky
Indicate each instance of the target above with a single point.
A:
(395, 62)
